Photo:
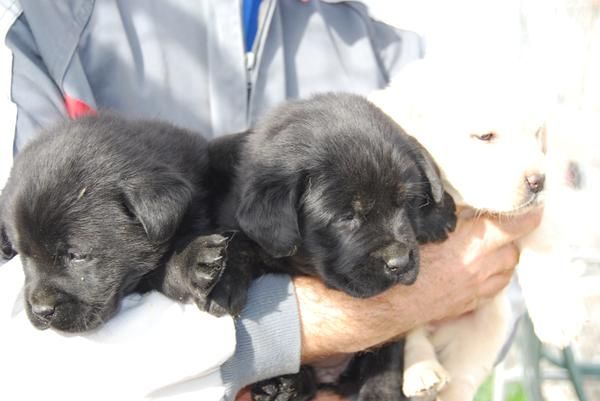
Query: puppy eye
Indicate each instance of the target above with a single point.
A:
(419, 202)
(349, 221)
(347, 218)
(486, 137)
(75, 256)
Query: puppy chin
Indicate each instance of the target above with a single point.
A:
(501, 205)
(376, 278)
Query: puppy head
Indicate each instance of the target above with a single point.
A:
(482, 124)
(87, 225)
(337, 182)
(571, 216)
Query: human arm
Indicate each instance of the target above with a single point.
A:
(476, 262)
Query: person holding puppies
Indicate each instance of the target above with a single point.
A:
(195, 66)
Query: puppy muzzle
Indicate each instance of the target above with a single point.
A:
(400, 261)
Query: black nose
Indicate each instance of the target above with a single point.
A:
(43, 311)
(397, 262)
(396, 256)
(535, 182)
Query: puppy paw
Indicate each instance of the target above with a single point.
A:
(277, 389)
(297, 387)
(423, 380)
(436, 221)
(558, 321)
(228, 297)
(560, 331)
(239, 259)
(209, 263)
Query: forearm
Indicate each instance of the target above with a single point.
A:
(476, 262)
(334, 323)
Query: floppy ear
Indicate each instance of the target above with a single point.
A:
(7, 251)
(268, 213)
(159, 200)
(425, 161)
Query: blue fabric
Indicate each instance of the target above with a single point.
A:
(250, 18)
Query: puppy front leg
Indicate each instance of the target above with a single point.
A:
(212, 270)
(423, 375)
(468, 348)
(301, 386)
(380, 374)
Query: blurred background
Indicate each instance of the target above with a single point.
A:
(561, 38)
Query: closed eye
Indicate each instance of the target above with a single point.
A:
(349, 221)
(75, 256)
(487, 137)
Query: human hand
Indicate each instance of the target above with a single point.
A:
(476, 262)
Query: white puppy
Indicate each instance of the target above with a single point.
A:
(485, 131)
(569, 231)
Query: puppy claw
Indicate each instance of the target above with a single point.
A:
(209, 261)
(209, 256)
(215, 240)
(423, 380)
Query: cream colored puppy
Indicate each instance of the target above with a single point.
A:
(569, 233)
(485, 133)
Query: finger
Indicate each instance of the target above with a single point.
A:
(501, 260)
(494, 232)
(494, 284)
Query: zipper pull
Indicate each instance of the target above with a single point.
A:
(250, 60)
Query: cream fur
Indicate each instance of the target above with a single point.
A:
(448, 109)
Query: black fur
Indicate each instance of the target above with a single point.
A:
(331, 187)
(100, 207)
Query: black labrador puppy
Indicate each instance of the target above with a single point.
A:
(333, 188)
(100, 207)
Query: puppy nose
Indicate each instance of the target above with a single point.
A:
(395, 256)
(535, 182)
(43, 311)
(397, 262)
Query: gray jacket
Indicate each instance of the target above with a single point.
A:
(184, 61)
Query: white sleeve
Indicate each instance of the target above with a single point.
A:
(153, 349)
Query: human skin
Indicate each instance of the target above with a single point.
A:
(473, 264)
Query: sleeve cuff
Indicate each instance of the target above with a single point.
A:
(268, 337)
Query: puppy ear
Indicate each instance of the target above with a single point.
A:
(7, 252)
(425, 161)
(159, 200)
(268, 213)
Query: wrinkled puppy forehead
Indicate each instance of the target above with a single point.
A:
(358, 173)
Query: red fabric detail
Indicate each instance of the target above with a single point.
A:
(76, 108)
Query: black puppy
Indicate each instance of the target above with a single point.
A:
(100, 207)
(331, 187)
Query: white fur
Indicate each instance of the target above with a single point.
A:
(446, 107)
(568, 230)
